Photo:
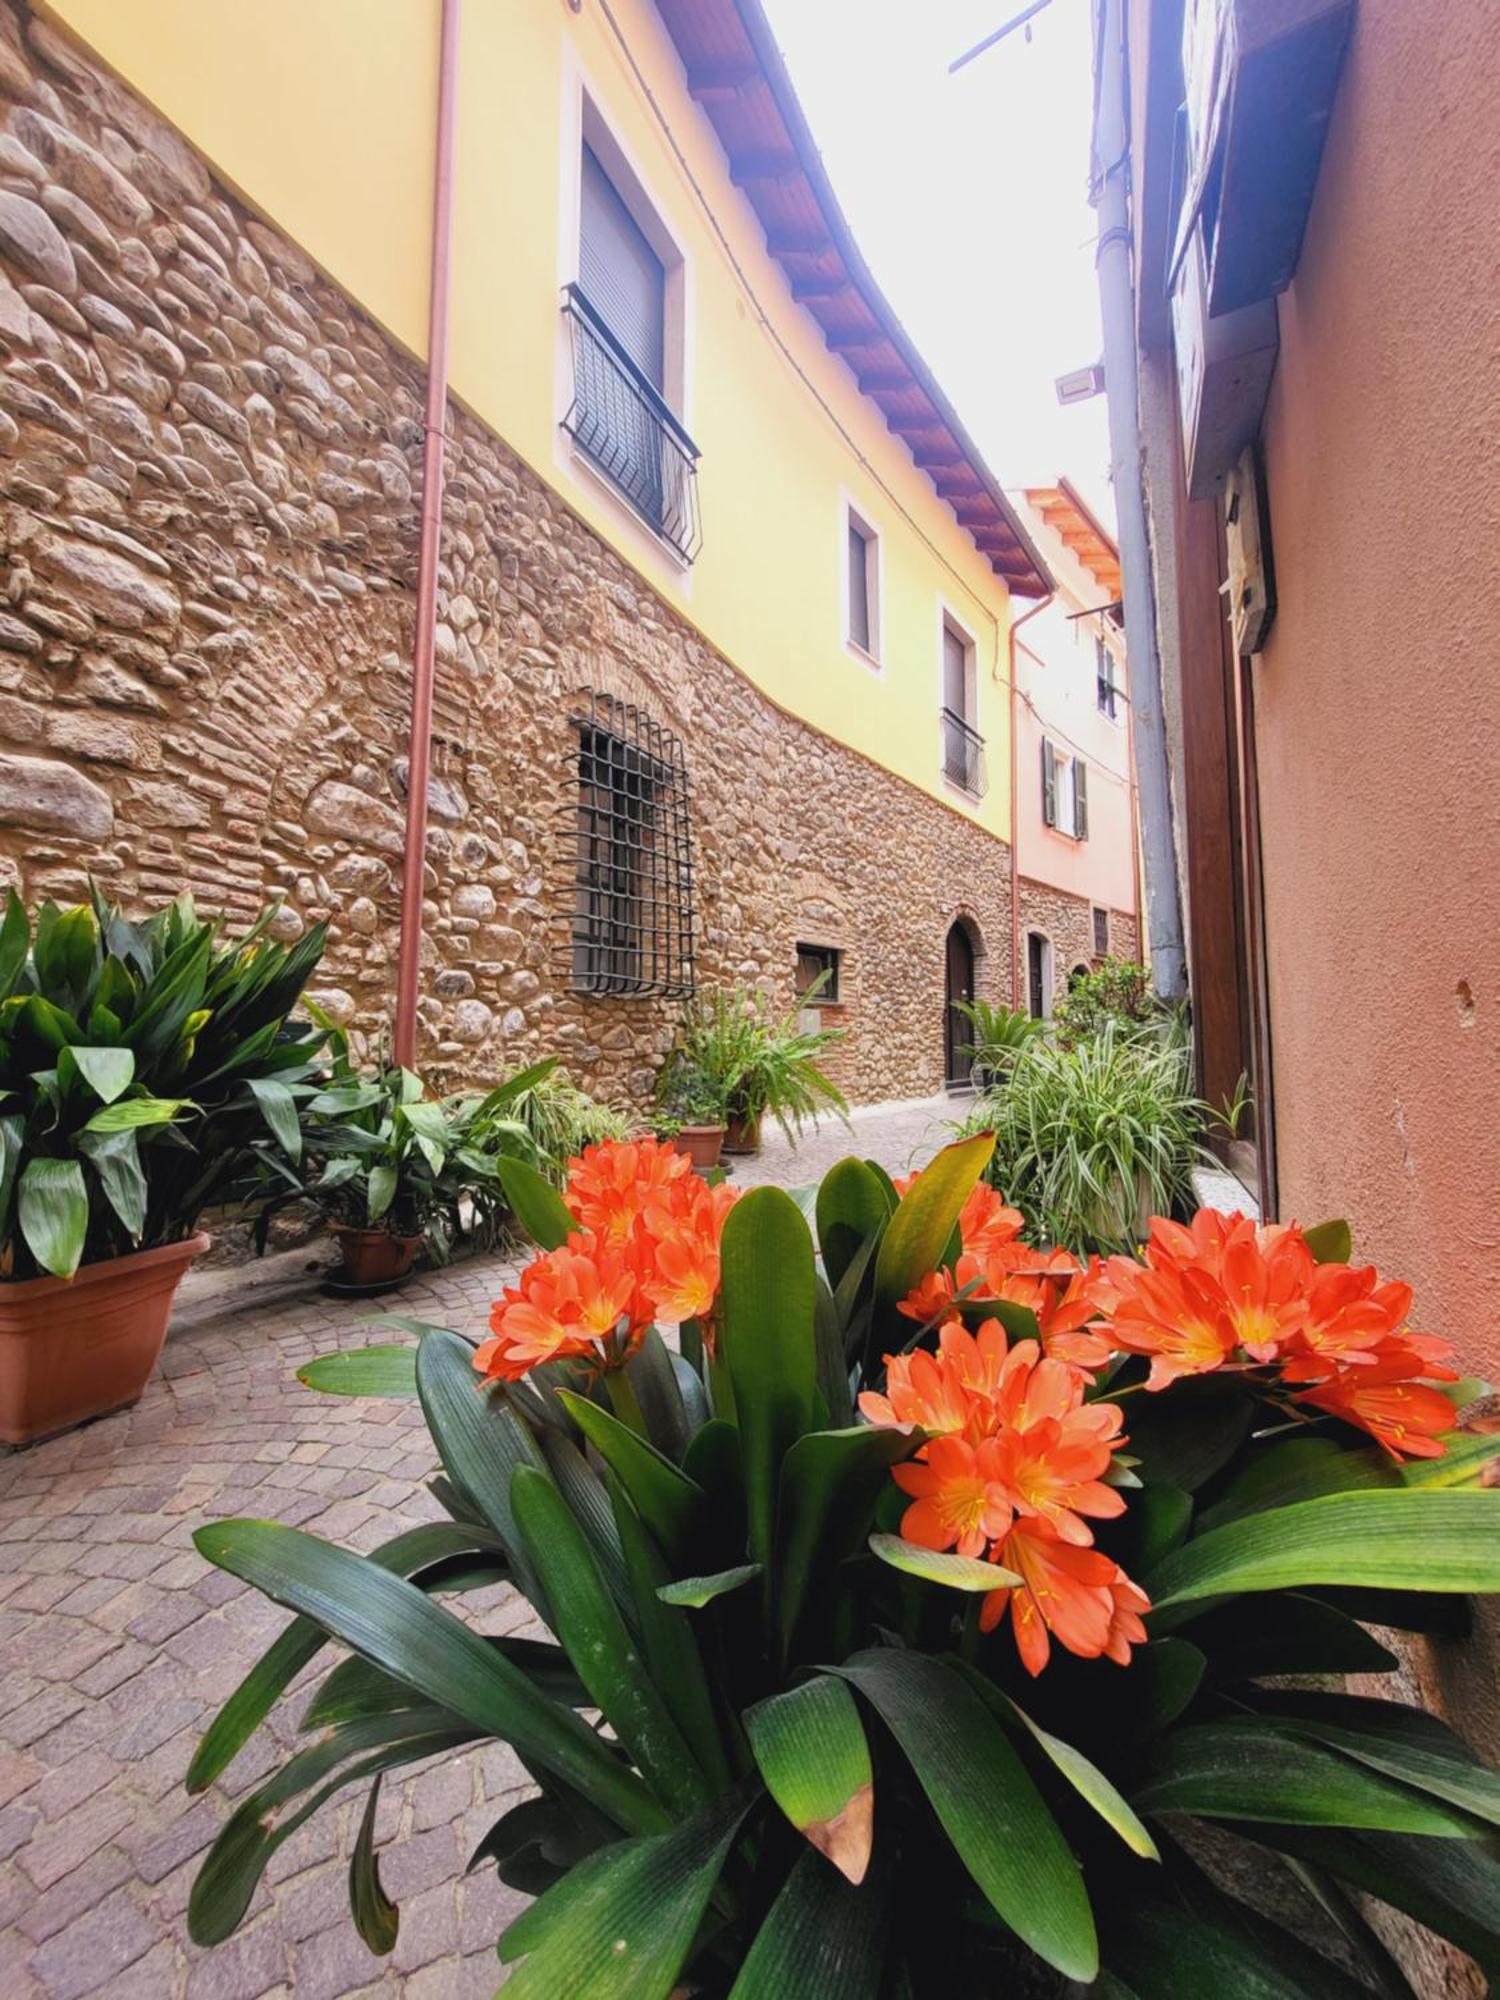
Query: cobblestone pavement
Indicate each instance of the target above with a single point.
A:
(117, 1642)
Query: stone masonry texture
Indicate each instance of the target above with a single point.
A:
(1068, 921)
(208, 466)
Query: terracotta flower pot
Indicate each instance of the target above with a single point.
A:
(701, 1143)
(742, 1135)
(373, 1256)
(75, 1348)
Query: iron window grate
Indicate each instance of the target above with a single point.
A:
(620, 423)
(963, 754)
(628, 840)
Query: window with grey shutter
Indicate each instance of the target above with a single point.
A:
(621, 276)
(1049, 784)
(859, 589)
(955, 674)
(1080, 799)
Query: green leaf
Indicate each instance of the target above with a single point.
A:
(767, 1342)
(391, 1622)
(375, 1915)
(1284, 1632)
(668, 1501)
(1310, 1468)
(851, 1208)
(52, 1206)
(990, 1809)
(279, 1109)
(107, 1072)
(1419, 1540)
(1183, 1435)
(1161, 1682)
(822, 1939)
(953, 1572)
(917, 1234)
(131, 1112)
(594, 1635)
(811, 1750)
(1086, 1778)
(363, 1371)
(619, 1925)
(116, 1159)
(830, 1483)
(380, 1191)
(589, 1502)
(1400, 1741)
(1329, 1242)
(15, 942)
(1247, 1769)
(300, 1644)
(535, 1203)
(694, 1592)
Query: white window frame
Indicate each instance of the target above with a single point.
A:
(585, 123)
(857, 519)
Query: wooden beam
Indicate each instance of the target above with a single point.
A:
(764, 167)
(927, 455)
(885, 385)
(798, 242)
(806, 289)
(720, 79)
(842, 338)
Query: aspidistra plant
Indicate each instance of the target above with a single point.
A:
(906, 1632)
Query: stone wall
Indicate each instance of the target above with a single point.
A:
(1069, 922)
(208, 459)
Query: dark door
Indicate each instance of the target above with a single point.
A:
(958, 1031)
(1036, 974)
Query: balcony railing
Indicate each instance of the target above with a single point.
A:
(620, 423)
(963, 754)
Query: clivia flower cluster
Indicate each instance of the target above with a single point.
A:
(646, 1250)
(1225, 1292)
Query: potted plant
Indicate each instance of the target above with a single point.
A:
(395, 1172)
(1000, 1034)
(758, 1063)
(690, 1112)
(882, 1663)
(139, 1063)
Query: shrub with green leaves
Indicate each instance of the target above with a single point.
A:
(560, 1116)
(1116, 992)
(780, 1749)
(1000, 1034)
(139, 1064)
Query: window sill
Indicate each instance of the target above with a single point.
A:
(853, 647)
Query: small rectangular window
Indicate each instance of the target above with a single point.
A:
(862, 626)
(1101, 933)
(817, 962)
(1106, 688)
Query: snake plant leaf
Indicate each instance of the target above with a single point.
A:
(535, 1203)
(953, 1572)
(619, 1925)
(1390, 1737)
(107, 1072)
(595, 1637)
(363, 1371)
(301, 1642)
(52, 1206)
(917, 1235)
(830, 1484)
(1452, 1886)
(391, 1622)
(1418, 1540)
(768, 1344)
(1246, 1770)
(375, 1915)
(811, 1750)
(116, 1159)
(480, 1440)
(279, 1109)
(1000, 1827)
(693, 1592)
(669, 1502)
(1330, 1242)
(851, 1210)
(822, 1939)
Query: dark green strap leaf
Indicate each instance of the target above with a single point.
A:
(363, 1371)
(810, 1746)
(830, 1483)
(917, 1235)
(375, 1915)
(668, 1501)
(822, 1939)
(851, 1210)
(391, 1622)
(535, 1203)
(1285, 1632)
(693, 1592)
(990, 1809)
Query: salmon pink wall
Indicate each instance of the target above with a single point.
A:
(1378, 722)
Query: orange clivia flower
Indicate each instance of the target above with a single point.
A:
(568, 1302)
(924, 1390)
(1384, 1392)
(1074, 1595)
(958, 1501)
(611, 1184)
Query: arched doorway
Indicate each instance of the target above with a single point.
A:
(958, 1030)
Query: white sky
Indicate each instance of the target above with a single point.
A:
(969, 198)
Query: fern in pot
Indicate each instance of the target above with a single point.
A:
(911, 1625)
(759, 1063)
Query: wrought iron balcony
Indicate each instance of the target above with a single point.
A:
(963, 754)
(620, 423)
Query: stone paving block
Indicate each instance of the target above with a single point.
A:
(54, 1851)
(76, 1894)
(95, 1948)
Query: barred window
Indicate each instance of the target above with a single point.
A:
(631, 847)
(1101, 932)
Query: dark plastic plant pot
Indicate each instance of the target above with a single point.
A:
(742, 1134)
(79, 1347)
(374, 1256)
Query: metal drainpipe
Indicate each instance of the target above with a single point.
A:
(419, 752)
(1015, 808)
